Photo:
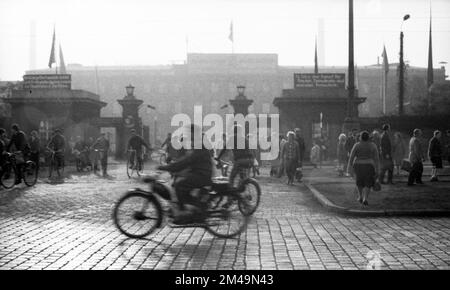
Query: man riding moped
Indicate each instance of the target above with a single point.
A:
(192, 171)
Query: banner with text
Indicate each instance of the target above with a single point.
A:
(319, 80)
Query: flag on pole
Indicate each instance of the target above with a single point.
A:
(52, 59)
(430, 73)
(62, 64)
(231, 37)
(316, 64)
(385, 61)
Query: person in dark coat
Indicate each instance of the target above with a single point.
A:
(387, 164)
(435, 154)
(197, 169)
(20, 143)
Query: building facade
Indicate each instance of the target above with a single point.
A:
(210, 80)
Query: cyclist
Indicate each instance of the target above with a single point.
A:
(102, 144)
(242, 157)
(57, 144)
(196, 165)
(171, 152)
(19, 140)
(135, 143)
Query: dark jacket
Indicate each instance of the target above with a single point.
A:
(198, 162)
(349, 143)
(301, 144)
(57, 143)
(385, 146)
(136, 142)
(35, 145)
(434, 148)
(19, 140)
(101, 145)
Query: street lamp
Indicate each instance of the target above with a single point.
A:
(241, 91)
(401, 89)
(130, 90)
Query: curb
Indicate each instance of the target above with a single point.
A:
(325, 202)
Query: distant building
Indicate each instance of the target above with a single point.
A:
(211, 80)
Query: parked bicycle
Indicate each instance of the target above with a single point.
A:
(134, 165)
(139, 212)
(10, 168)
(82, 161)
(251, 190)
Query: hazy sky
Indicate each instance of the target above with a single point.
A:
(147, 32)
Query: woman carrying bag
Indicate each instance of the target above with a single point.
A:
(364, 159)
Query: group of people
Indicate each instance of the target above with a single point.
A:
(372, 157)
(30, 147)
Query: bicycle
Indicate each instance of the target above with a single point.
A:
(29, 171)
(145, 211)
(244, 182)
(138, 166)
(55, 164)
(82, 161)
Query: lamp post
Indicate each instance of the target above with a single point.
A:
(401, 67)
(155, 121)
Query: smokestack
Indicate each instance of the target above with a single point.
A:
(32, 56)
(321, 41)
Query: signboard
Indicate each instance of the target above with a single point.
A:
(319, 80)
(48, 81)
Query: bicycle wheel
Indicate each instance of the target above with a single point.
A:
(225, 220)
(137, 214)
(30, 173)
(250, 192)
(8, 177)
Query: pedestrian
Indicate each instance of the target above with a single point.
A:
(277, 164)
(35, 148)
(302, 148)
(435, 154)
(376, 139)
(387, 164)
(364, 160)
(19, 140)
(398, 151)
(315, 154)
(416, 158)
(57, 144)
(350, 142)
(447, 146)
(342, 154)
(291, 155)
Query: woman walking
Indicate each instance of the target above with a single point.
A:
(290, 154)
(341, 154)
(398, 151)
(435, 154)
(364, 159)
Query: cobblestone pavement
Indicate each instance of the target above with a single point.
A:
(69, 226)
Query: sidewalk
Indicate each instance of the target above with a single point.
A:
(339, 195)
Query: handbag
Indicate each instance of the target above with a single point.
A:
(406, 165)
(377, 186)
